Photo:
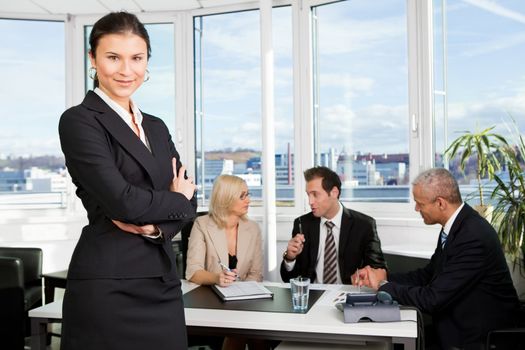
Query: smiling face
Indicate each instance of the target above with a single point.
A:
(323, 204)
(428, 207)
(121, 61)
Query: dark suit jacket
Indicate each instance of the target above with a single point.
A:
(358, 246)
(466, 287)
(117, 177)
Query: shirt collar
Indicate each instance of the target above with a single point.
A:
(451, 220)
(336, 219)
(122, 112)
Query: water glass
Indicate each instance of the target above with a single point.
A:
(300, 289)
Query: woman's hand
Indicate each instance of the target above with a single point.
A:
(148, 230)
(226, 278)
(179, 183)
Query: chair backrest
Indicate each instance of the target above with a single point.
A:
(12, 272)
(31, 259)
(404, 264)
(185, 235)
(12, 312)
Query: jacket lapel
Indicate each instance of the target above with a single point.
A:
(218, 239)
(312, 237)
(114, 124)
(346, 225)
(463, 213)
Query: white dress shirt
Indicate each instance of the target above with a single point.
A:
(319, 264)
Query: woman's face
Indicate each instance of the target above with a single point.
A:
(121, 61)
(242, 203)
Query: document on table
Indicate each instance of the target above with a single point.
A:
(242, 291)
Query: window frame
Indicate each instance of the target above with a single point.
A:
(420, 49)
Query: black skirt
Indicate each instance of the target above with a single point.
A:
(130, 314)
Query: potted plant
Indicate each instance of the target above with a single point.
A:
(509, 210)
(486, 147)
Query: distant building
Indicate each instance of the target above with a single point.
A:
(12, 180)
(33, 180)
(214, 168)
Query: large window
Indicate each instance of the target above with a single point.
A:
(360, 91)
(228, 101)
(157, 95)
(32, 96)
(479, 76)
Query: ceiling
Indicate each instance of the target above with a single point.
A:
(84, 7)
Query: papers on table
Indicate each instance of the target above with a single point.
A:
(243, 291)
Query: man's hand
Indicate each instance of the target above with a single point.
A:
(179, 183)
(369, 277)
(295, 246)
(148, 230)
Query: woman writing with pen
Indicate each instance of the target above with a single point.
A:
(225, 245)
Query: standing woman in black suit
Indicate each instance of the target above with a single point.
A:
(123, 291)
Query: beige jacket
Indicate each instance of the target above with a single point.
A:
(207, 247)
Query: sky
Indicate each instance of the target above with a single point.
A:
(363, 76)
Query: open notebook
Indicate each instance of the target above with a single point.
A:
(243, 291)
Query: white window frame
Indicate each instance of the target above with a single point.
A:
(419, 27)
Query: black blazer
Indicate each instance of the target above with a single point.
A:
(117, 177)
(466, 287)
(358, 246)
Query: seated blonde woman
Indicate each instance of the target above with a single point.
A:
(225, 237)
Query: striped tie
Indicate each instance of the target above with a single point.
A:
(330, 256)
(443, 236)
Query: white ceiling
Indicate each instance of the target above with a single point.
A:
(82, 7)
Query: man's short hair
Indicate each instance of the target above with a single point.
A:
(439, 182)
(330, 178)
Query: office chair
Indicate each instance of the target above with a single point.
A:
(31, 259)
(185, 235)
(509, 338)
(12, 316)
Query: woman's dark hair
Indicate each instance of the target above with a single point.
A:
(117, 23)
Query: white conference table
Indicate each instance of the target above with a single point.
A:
(323, 323)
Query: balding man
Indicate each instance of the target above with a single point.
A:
(466, 287)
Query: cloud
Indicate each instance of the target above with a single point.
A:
(500, 43)
(360, 35)
(497, 9)
(484, 113)
(377, 128)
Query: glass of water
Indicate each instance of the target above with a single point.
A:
(300, 289)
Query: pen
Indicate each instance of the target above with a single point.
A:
(301, 229)
(357, 280)
(227, 268)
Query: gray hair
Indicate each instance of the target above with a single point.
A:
(439, 182)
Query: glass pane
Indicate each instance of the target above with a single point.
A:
(157, 95)
(361, 97)
(485, 74)
(32, 97)
(228, 99)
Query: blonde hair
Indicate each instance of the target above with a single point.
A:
(226, 190)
